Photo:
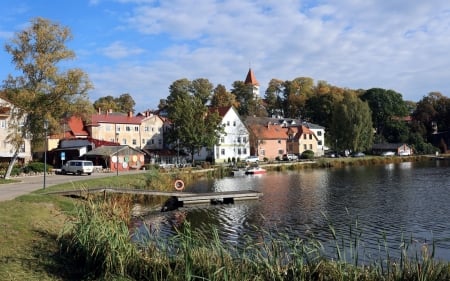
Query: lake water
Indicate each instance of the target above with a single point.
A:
(381, 205)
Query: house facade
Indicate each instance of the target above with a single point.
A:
(233, 143)
(126, 129)
(10, 126)
(272, 137)
(267, 140)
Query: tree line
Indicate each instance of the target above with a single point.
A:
(354, 119)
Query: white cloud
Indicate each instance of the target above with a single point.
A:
(400, 45)
(118, 50)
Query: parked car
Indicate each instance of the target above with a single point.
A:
(290, 157)
(358, 154)
(77, 167)
(388, 153)
(252, 159)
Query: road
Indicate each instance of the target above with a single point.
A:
(28, 184)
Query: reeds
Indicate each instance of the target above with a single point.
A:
(99, 240)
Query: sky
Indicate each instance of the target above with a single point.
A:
(141, 47)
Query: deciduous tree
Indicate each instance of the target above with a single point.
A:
(42, 91)
(351, 126)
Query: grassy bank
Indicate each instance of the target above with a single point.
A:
(55, 238)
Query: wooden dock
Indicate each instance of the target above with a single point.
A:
(182, 198)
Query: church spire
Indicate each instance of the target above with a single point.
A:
(251, 80)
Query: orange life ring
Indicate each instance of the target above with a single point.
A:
(179, 185)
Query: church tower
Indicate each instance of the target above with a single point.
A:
(251, 80)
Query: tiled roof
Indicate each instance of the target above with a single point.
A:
(268, 131)
(221, 110)
(251, 79)
(76, 127)
(115, 118)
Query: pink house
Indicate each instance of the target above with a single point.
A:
(268, 141)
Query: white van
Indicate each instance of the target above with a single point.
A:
(77, 167)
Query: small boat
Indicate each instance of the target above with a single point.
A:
(255, 171)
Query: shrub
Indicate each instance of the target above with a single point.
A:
(307, 154)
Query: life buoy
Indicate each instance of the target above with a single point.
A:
(179, 185)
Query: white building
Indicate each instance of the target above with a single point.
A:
(233, 143)
(7, 127)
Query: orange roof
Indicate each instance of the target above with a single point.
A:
(251, 79)
(301, 130)
(268, 132)
(76, 126)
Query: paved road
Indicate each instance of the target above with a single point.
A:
(31, 183)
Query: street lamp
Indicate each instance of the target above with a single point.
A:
(45, 150)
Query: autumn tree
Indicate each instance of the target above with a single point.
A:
(296, 93)
(273, 97)
(42, 91)
(351, 126)
(221, 97)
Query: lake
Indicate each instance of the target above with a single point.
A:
(380, 206)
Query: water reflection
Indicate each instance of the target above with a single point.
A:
(382, 203)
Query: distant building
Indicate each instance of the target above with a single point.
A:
(6, 128)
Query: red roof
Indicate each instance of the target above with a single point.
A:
(221, 110)
(251, 79)
(76, 127)
(268, 132)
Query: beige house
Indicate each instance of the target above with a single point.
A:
(9, 126)
(300, 139)
(152, 128)
(126, 129)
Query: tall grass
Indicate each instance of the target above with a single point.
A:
(98, 239)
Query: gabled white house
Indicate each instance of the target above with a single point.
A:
(233, 143)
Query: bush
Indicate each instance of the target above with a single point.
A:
(36, 167)
(307, 154)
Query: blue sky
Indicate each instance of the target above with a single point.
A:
(141, 46)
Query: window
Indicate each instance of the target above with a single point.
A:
(222, 151)
(117, 128)
(127, 128)
(280, 151)
(319, 133)
(319, 142)
(234, 123)
(305, 146)
(222, 140)
(245, 151)
(239, 151)
(22, 148)
(146, 129)
(134, 141)
(304, 136)
(124, 141)
(143, 140)
(239, 139)
(244, 139)
(136, 128)
(310, 136)
(159, 141)
(262, 152)
(310, 146)
(279, 141)
(228, 123)
(3, 123)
